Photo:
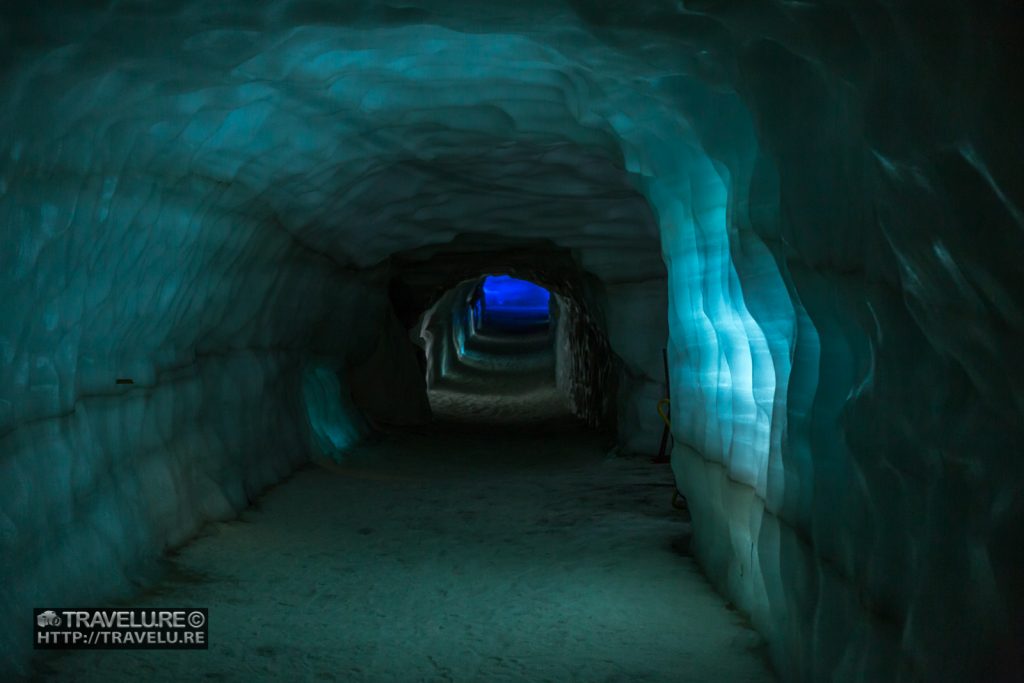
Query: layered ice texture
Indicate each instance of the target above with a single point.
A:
(815, 206)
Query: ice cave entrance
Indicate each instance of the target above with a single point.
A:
(507, 304)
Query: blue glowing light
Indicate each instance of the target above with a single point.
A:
(510, 303)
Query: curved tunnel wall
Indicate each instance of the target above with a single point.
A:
(199, 207)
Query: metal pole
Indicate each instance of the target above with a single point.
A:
(666, 432)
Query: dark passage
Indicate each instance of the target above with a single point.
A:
(493, 345)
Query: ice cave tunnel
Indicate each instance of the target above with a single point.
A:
(259, 353)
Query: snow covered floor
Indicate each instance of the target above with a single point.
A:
(529, 405)
(448, 555)
(512, 382)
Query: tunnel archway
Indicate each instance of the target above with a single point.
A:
(218, 221)
(484, 365)
(439, 291)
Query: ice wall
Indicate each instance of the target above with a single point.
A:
(209, 314)
(841, 317)
(200, 197)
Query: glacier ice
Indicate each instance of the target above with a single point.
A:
(816, 207)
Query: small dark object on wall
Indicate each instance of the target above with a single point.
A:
(663, 458)
(124, 380)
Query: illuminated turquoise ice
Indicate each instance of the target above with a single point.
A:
(335, 424)
(824, 234)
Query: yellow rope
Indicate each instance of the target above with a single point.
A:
(664, 416)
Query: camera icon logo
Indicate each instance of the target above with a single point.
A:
(48, 618)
